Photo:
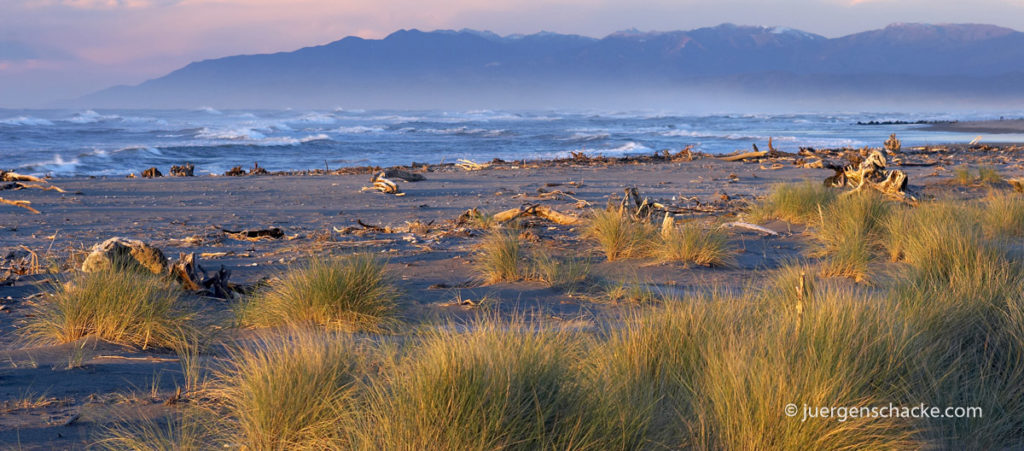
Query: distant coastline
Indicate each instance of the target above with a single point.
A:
(999, 126)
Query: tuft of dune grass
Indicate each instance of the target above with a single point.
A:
(1002, 214)
(348, 293)
(848, 232)
(292, 390)
(189, 430)
(619, 236)
(793, 202)
(499, 257)
(497, 385)
(128, 307)
(563, 273)
(691, 243)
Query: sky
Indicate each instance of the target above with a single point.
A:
(52, 50)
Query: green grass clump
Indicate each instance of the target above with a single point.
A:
(794, 202)
(497, 385)
(692, 243)
(988, 175)
(563, 273)
(849, 231)
(128, 307)
(962, 176)
(500, 256)
(349, 293)
(620, 236)
(290, 391)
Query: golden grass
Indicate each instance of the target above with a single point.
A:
(348, 293)
(619, 236)
(496, 385)
(692, 243)
(500, 256)
(794, 202)
(848, 233)
(127, 307)
(290, 391)
(1002, 214)
(188, 430)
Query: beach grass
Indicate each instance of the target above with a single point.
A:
(799, 203)
(127, 307)
(354, 292)
(290, 390)
(567, 273)
(693, 243)
(619, 236)
(500, 256)
(848, 232)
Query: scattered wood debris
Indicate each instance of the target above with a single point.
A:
(871, 174)
(271, 233)
(152, 172)
(383, 184)
(471, 165)
(196, 279)
(539, 211)
(20, 204)
(186, 170)
(748, 226)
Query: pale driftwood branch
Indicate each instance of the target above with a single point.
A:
(9, 176)
(19, 203)
(748, 226)
(471, 165)
(539, 211)
(383, 184)
(744, 156)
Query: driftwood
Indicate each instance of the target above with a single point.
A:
(471, 165)
(10, 176)
(871, 174)
(744, 156)
(236, 171)
(186, 170)
(272, 233)
(152, 173)
(23, 185)
(19, 203)
(194, 278)
(383, 184)
(539, 211)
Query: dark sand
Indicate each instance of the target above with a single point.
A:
(115, 382)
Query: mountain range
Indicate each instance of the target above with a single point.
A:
(925, 64)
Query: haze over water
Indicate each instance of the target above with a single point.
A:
(115, 143)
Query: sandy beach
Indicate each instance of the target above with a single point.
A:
(328, 214)
(1003, 126)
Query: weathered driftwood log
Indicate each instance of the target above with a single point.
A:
(871, 174)
(272, 233)
(257, 170)
(120, 253)
(19, 203)
(893, 145)
(236, 171)
(152, 173)
(10, 176)
(744, 156)
(194, 278)
(471, 165)
(383, 184)
(186, 170)
(539, 211)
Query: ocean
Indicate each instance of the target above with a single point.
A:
(116, 142)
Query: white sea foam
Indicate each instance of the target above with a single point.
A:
(27, 121)
(317, 137)
(56, 166)
(234, 134)
(314, 118)
(588, 136)
(358, 129)
(91, 117)
(209, 110)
